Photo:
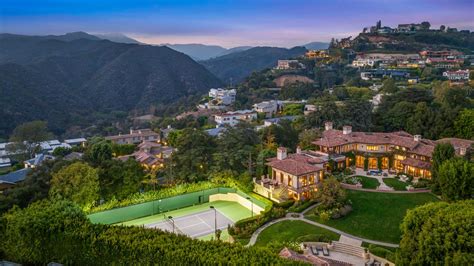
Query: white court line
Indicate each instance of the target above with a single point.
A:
(204, 222)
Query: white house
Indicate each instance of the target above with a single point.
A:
(458, 75)
(233, 118)
(222, 96)
(267, 107)
(362, 62)
(289, 64)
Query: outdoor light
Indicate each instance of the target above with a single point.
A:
(248, 198)
(215, 220)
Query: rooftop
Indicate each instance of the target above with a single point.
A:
(296, 164)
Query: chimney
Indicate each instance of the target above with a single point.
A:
(417, 137)
(169, 126)
(281, 153)
(298, 150)
(131, 130)
(328, 125)
(346, 130)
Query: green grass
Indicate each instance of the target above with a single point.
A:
(395, 183)
(369, 182)
(290, 231)
(377, 216)
(231, 210)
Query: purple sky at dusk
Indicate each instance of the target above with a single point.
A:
(227, 23)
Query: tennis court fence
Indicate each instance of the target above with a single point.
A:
(136, 211)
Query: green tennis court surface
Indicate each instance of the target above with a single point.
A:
(196, 221)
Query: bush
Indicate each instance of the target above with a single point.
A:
(313, 238)
(353, 180)
(422, 183)
(300, 206)
(348, 171)
(382, 252)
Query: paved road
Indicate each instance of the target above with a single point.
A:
(289, 217)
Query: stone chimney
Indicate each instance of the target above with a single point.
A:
(281, 153)
(417, 137)
(346, 130)
(298, 150)
(328, 125)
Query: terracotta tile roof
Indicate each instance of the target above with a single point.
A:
(416, 163)
(295, 164)
(333, 138)
(457, 143)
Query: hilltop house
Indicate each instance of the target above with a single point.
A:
(135, 137)
(457, 76)
(223, 97)
(269, 108)
(289, 64)
(233, 118)
(397, 151)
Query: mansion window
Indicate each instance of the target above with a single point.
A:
(304, 181)
(372, 148)
(311, 179)
(290, 181)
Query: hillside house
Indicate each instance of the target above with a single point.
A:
(457, 76)
(135, 137)
(233, 118)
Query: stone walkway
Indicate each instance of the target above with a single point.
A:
(300, 217)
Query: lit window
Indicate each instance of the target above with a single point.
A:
(372, 148)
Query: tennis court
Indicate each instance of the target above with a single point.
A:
(195, 225)
(196, 221)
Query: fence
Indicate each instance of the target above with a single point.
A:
(162, 205)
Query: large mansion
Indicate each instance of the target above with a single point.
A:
(296, 175)
(397, 151)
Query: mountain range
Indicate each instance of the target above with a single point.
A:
(237, 66)
(64, 79)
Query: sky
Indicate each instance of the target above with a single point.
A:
(227, 23)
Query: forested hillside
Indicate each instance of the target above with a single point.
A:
(237, 66)
(63, 81)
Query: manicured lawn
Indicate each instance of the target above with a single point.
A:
(395, 183)
(369, 182)
(290, 231)
(377, 216)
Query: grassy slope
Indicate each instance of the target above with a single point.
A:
(377, 216)
(290, 231)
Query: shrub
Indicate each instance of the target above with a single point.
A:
(313, 238)
(301, 206)
(382, 252)
(422, 183)
(325, 215)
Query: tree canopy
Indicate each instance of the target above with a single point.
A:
(77, 182)
(438, 234)
(456, 179)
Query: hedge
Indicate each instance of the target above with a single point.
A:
(59, 231)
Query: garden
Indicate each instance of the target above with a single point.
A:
(285, 232)
(376, 216)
